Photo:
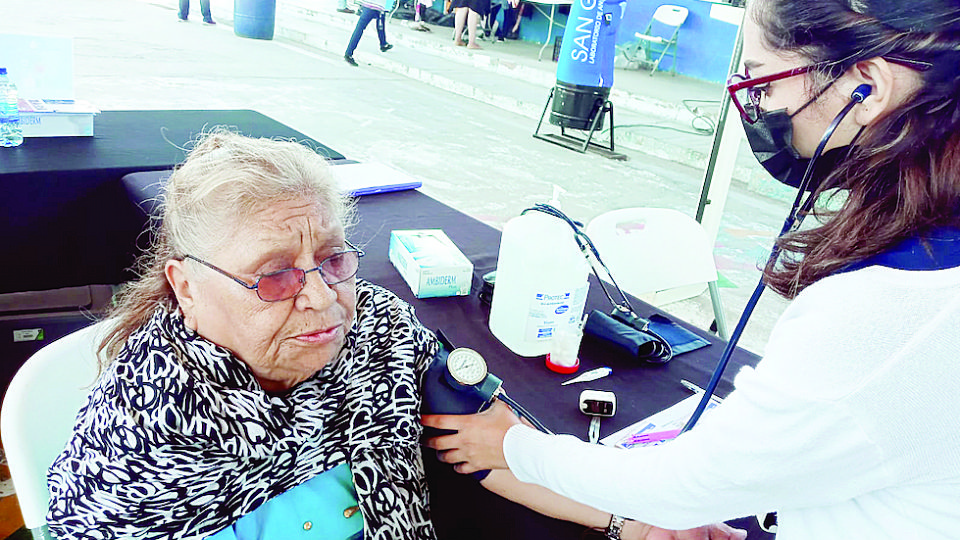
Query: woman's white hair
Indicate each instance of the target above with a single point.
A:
(228, 177)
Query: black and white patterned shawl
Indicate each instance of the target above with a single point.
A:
(177, 439)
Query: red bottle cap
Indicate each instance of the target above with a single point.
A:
(566, 370)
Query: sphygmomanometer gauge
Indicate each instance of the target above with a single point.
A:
(466, 366)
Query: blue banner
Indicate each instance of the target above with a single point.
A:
(589, 43)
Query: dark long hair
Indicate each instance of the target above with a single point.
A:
(903, 178)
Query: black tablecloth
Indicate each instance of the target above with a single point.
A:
(461, 508)
(65, 218)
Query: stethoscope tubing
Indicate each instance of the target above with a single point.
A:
(794, 219)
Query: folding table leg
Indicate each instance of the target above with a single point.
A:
(718, 316)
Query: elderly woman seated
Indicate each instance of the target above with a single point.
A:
(252, 386)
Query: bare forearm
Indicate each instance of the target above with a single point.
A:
(546, 502)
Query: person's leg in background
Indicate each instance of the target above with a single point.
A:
(492, 26)
(342, 7)
(473, 21)
(459, 19)
(205, 11)
(184, 10)
(382, 32)
(512, 28)
(366, 15)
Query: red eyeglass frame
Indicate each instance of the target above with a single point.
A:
(735, 86)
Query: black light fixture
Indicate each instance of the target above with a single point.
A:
(576, 106)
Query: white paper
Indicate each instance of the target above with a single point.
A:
(370, 178)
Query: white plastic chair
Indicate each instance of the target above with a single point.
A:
(671, 17)
(658, 255)
(38, 414)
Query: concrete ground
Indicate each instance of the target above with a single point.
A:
(459, 120)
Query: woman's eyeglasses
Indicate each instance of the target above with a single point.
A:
(287, 283)
(746, 92)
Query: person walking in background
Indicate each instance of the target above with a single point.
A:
(204, 10)
(368, 12)
(342, 7)
(469, 12)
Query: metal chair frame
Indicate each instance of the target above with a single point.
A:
(668, 15)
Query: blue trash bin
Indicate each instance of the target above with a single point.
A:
(254, 18)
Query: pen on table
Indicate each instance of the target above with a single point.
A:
(651, 437)
(697, 390)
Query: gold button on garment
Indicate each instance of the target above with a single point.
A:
(307, 525)
(349, 512)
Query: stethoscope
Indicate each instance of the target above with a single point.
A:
(794, 219)
(466, 372)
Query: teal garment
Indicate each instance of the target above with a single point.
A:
(314, 509)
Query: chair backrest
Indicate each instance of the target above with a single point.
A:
(671, 15)
(39, 411)
(653, 249)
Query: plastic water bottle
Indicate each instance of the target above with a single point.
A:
(541, 284)
(10, 132)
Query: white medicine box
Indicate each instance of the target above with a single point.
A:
(430, 263)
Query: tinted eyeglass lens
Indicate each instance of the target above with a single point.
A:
(746, 98)
(281, 285)
(340, 267)
(753, 103)
(288, 283)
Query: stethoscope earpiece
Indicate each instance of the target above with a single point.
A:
(861, 93)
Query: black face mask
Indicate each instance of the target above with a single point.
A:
(771, 139)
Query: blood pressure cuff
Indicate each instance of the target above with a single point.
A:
(440, 397)
(655, 340)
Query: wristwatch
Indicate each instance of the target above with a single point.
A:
(615, 527)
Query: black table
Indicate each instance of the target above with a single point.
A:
(64, 215)
(70, 222)
(462, 509)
